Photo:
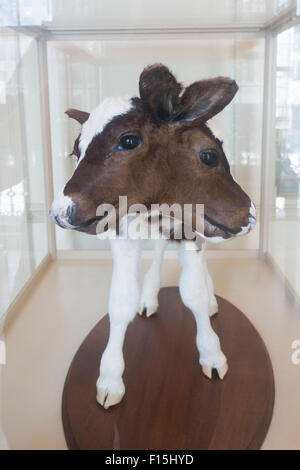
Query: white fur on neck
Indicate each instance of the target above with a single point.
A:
(99, 117)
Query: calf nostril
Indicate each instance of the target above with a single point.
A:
(70, 211)
(251, 219)
(57, 221)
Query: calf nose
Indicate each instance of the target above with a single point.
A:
(251, 219)
(252, 215)
(63, 212)
(70, 212)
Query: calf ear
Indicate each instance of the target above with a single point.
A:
(80, 116)
(204, 99)
(159, 91)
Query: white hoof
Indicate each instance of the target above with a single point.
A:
(207, 371)
(148, 311)
(222, 371)
(109, 392)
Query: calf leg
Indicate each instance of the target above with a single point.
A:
(151, 284)
(213, 304)
(123, 305)
(195, 295)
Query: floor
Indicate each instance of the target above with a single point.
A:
(72, 296)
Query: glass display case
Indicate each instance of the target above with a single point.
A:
(55, 55)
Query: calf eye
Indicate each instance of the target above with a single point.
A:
(209, 157)
(130, 141)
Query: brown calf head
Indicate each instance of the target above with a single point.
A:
(156, 149)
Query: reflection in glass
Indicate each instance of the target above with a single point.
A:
(23, 234)
(284, 237)
(12, 201)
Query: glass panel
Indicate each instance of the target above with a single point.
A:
(159, 13)
(23, 233)
(81, 74)
(284, 233)
(24, 12)
(95, 13)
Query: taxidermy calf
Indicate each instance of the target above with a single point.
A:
(159, 148)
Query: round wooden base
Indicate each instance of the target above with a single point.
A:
(169, 403)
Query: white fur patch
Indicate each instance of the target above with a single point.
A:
(59, 208)
(252, 210)
(194, 293)
(216, 239)
(123, 304)
(151, 284)
(99, 117)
